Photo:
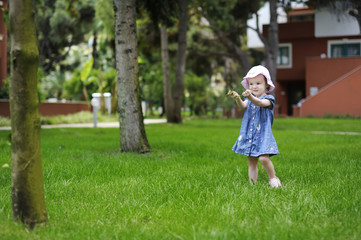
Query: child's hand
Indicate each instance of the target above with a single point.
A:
(233, 94)
(247, 93)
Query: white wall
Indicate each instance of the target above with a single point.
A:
(330, 25)
(264, 18)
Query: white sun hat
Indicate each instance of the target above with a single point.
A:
(255, 71)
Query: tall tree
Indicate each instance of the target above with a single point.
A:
(228, 22)
(26, 171)
(178, 90)
(164, 12)
(131, 126)
(270, 43)
(167, 92)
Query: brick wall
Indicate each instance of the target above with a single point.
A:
(49, 109)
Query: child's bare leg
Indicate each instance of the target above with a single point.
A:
(267, 165)
(252, 169)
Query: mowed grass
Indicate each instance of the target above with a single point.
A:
(192, 186)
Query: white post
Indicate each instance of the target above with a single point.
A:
(95, 103)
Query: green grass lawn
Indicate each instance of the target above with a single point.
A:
(192, 186)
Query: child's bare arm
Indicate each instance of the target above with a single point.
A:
(256, 101)
(239, 101)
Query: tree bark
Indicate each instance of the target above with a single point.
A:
(131, 126)
(181, 61)
(27, 185)
(272, 46)
(167, 94)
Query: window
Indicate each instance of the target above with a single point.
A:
(344, 48)
(284, 58)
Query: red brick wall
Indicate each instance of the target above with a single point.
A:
(49, 109)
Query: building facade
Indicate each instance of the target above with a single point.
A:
(316, 49)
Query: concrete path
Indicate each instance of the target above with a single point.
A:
(338, 133)
(90, 125)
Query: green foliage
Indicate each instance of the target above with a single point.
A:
(151, 79)
(41, 92)
(51, 85)
(104, 27)
(161, 11)
(199, 64)
(200, 96)
(85, 71)
(105, 51)
(148, 35)
(6, 17)
(228, 15)
(197, 94)
(4, 121)
(4, 90)
(110, 79)
(208, 54)
(192, 186)
(65, 23)
(104, 13)
(228, 103)
(73, 87)
(61, 24)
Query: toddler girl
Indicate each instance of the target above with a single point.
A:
(256, 139)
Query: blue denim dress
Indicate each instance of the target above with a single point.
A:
(255, 137)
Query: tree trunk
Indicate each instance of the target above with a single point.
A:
(181, 61)
(101, 88)
(27, 185)
(131, 126)
(272, 46)
(95, 52)
(167, 94)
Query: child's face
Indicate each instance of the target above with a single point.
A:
(257, 85)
